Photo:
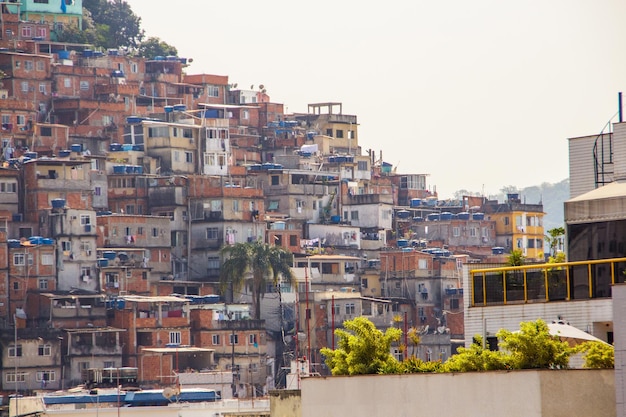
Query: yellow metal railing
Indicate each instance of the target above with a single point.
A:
(546, 282)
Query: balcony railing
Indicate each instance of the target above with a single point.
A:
(581, 280)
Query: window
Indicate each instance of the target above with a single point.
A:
(41, 32)
(350, 309)
(24, 86)
(339, 134)
(84, 85)
(40, 65)
(506, 221)
(293, 240)
(362, 165)
(215, 340)
(236, 207)
(337, 310)
(109, 364)
(422, 264)
(13, 377)
(275, 180)
(472, 231)
(212, 233)
(43, 284)
(27, 32)
(134, 68)
(213, 265)
(456, 231)
(15, 350)
(454, 304)
(46, 376)
(47, 259)
(66, 246)
(19, 259)
(213, 91)
(8, 187)
(233, 339)
(252, 339)
(329, 132)
(189, 157)
(174, 338)
(85, 219)
(21, 120)
(245, 114)
(354, 215)
(44, 350)
(28, 65)
(155, 232)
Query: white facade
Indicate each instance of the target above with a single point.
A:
(525, 393)
(593, 316)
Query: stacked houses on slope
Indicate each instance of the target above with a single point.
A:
(122, 178)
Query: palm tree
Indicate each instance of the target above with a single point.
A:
(255, 263)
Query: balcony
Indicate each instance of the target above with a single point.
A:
(581, 280)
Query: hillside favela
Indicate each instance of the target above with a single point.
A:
(175, 244)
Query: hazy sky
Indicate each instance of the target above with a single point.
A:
(478, 94)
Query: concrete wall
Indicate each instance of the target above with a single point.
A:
(285, 403)
(530, 393)
(619, 322)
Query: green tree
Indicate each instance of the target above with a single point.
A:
(475, 358)
(597, 355)
(116, 25)
(153, 46)
(254, 263)
(533, 347)
(554, 239)
(516, 258)
(362, 349)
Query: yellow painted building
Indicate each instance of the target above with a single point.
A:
(518, 226)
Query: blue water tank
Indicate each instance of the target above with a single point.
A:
(478, 216)
(335, 219)
(433, 217)
(133, 119)
(129, 169)
(58, 203)
(168, 109)
(119, 169)
(115, 147)
(64, 54)
(497, 250)
(127, 147)
(109, 254)
(138, 147)
(13, 243)
(180, 107)
(415, 202)
(64, 153)
(446, 216)
(36, 240)
(402, 243)
(403, 214)
(103, 262)
(31, 155)
(87, 53)
(76, 147)
(463, 215)
(47, 241)
(138, 169)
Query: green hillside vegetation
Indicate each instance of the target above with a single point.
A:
(113, 24)
(364, 349)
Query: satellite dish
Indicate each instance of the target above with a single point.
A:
(169, 392)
